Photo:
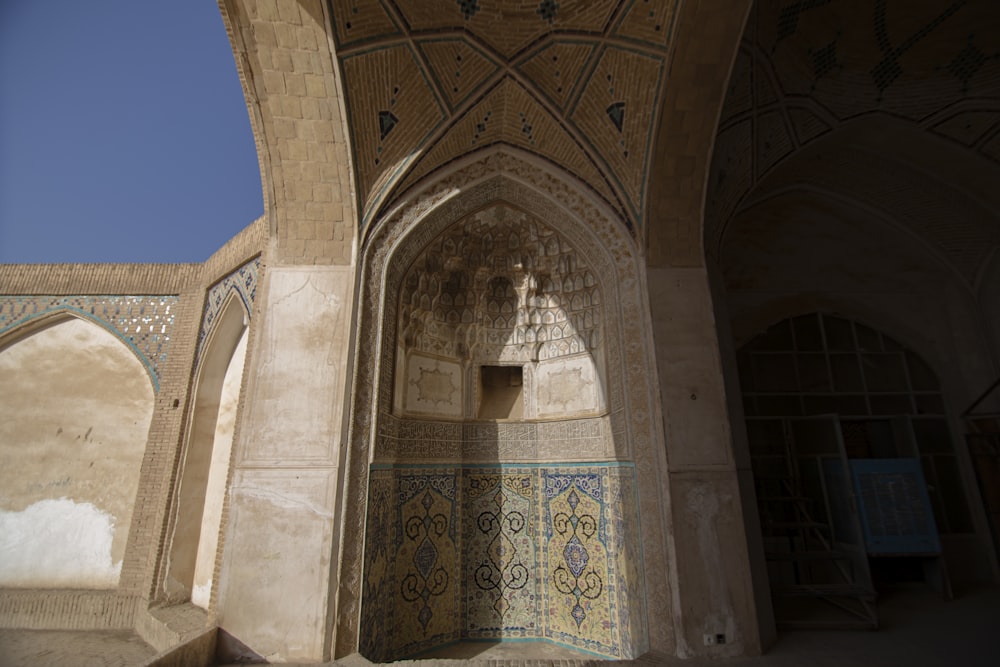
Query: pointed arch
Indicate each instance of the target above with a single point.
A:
(201, 492)
(75, 411)
(625, 451)
(55, 315)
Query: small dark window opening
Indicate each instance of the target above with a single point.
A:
(501, 392)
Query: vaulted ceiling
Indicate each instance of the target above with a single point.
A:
(576, 82)
(893, 104)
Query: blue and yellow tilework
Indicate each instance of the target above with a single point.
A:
(502, 552)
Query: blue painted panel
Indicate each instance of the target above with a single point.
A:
(895, 509)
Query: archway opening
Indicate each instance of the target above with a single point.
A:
(855, 471)
(201, 495)
(75, 409)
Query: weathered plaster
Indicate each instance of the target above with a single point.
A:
(714, 584)
(279, 542)
(58, 543)
(75, 409)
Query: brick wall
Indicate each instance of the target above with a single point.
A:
(149, 533)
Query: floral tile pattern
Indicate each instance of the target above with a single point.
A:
(580, 605)
(502, 552)
(502, 579)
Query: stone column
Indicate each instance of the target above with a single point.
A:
(274, 593)
(713, 593)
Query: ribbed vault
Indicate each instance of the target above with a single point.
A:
(893, 104)
(576, 82)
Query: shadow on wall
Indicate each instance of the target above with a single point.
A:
(499, 367)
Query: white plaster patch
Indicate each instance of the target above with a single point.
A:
(201, 594)
(58, 543)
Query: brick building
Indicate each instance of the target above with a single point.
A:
(585, 323)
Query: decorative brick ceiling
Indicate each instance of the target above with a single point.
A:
(898, 56)
(577, 82)
(889, 102)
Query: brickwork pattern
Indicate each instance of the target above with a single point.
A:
(87, 279)
(159, 471)
(707, 34)
(286, 66)
(805, 72)
(65, 610)
(575, 82)
(246, 245)
(53, 648)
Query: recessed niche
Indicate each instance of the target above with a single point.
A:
(501, 392)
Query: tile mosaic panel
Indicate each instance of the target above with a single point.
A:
(379, 577)
(581, 602)
(625, 530)
(503, 552)
(143, 323)
(242, 281)
(500, 554)
(426, 562)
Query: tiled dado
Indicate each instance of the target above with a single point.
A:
(502, 552)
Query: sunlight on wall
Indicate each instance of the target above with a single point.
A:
(215, 493)
(75, 409)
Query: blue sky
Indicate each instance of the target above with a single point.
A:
(124, 134)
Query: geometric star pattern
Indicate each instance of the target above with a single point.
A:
(576, 82)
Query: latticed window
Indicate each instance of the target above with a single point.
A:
(887, 399)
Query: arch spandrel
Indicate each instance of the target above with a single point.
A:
(144, 324)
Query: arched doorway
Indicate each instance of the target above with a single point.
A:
(202, 489)
(824, 396)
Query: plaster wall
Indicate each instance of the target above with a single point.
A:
(75, 409)
(432, 386)
(567, 386)
(713, 590)
(283, 491)
(215, 491)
